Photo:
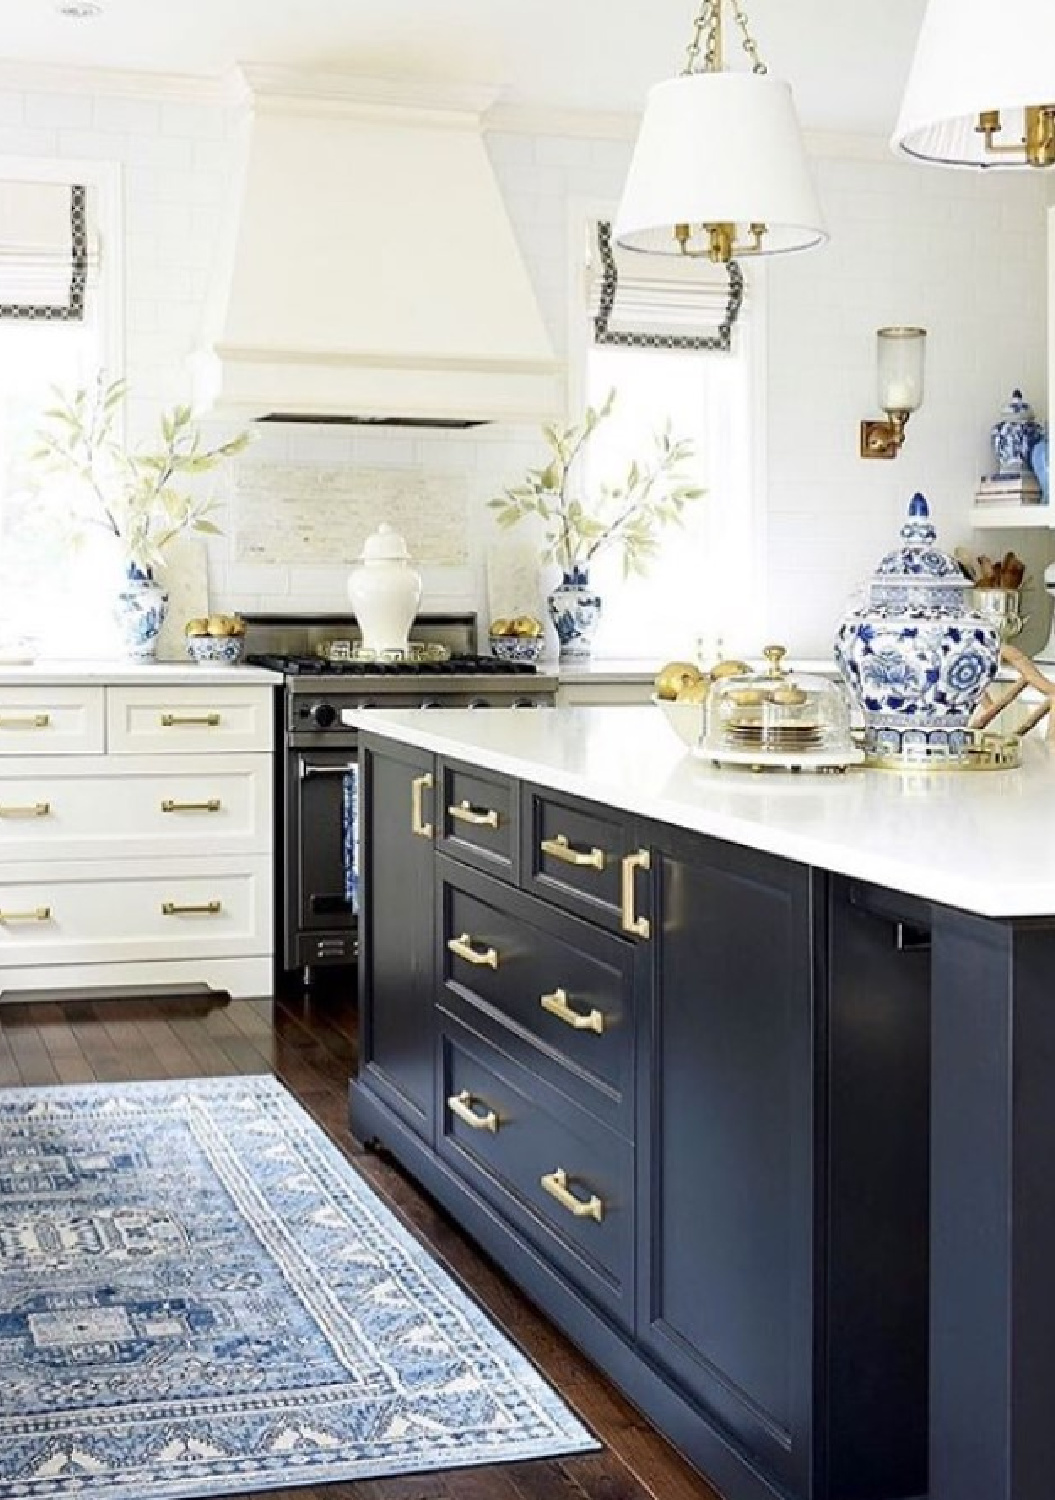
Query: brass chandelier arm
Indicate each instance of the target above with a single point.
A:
(1036, 148)
(722, 245)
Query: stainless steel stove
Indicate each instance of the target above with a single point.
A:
(317, 819)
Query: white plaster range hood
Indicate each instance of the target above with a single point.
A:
(369, 271)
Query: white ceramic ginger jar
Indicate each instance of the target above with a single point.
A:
(385, 591)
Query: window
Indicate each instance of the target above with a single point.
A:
(58, 326)
(704, 586)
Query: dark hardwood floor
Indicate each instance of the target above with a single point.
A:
(310, 1045)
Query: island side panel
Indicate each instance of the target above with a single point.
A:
(992, 1210)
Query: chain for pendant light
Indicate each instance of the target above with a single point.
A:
(706, 37)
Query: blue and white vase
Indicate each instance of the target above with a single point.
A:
(575, 609)
(140, 612)
(1014, 437)
(916, 657)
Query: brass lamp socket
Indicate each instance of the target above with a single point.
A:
(884, 439)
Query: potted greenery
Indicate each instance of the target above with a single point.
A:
(626, 517)
(138, 495)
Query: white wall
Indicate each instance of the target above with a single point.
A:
(962, 255)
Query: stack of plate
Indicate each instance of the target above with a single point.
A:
(753, 734)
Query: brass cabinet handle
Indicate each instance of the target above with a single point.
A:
(207, 721)
(463, 947)
(24, 721)
(583, 859)
(556, 1184)
(38, 914)
(465, 812)
(637, 926)
(557, 1005)
(203, 909)
(211, 805)
(29, 810)
(418, 787)
(462, 1105)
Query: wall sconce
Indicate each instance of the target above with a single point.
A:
(899, 364)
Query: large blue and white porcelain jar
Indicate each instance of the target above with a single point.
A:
(916, 657)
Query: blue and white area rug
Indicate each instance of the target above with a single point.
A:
(199, 1295)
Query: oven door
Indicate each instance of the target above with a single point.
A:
(322, 857)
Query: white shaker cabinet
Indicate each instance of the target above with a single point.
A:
(136, 836)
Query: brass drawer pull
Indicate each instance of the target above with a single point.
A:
(212, 805)
(30, 810)
(462, 1106)
(418, 787)
(203, 909)
(206, 721)
(629, 920)
(25, 721)
(38, 914)
(582, 859)
(556, 1184)
(465, 812)
(463, 947)
(557, 1005)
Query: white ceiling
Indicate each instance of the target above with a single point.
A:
(846, 59)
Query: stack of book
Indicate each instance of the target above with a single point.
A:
(1009, 489)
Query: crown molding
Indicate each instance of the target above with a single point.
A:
(174, 88)
(516, 119)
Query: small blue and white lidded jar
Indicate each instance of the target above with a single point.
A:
(1014, 437)
(916, 657)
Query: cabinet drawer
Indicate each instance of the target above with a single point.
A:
(40, 720)
(560, 1177)
(88, 911)
(478, 817)
(564, 989)
(99, 807)
(158, 721)
(573, 855)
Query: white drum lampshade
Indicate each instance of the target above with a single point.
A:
(972, 58)
(719, 148)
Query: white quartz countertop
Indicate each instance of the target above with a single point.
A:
(122, 671)
(983, 841)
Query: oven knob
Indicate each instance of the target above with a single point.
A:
(431, 703)
(523, 703)
(323, 715)
(478, 703)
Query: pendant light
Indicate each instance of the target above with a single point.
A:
(981, 92)
(719, 169)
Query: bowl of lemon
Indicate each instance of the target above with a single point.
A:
(680, 692)
(517, 639)
(219, 640)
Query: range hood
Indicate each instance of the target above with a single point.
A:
(369, 271)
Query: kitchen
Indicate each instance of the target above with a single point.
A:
(906, 245)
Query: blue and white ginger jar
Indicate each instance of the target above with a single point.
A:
(916, 657)
(575, 609)
(1014, 437)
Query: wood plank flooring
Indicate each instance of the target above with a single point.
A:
(309, 1043)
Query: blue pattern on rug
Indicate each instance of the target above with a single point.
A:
(200, 1295)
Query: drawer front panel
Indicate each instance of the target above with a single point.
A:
(158, 721)
(478, 816)
(564, 988)
(83, 912)
(40, 720)
(560, 1177)
(149, 806)
(573, 855)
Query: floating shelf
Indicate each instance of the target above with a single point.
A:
(1012, 517)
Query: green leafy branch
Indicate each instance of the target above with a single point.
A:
(627, 515)
(137, 495)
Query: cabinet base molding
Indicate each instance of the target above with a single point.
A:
(241, 978)
(660, 1401)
